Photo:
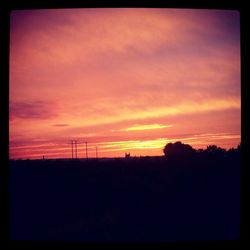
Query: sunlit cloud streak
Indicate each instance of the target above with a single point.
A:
(60, 125)
(146, 127)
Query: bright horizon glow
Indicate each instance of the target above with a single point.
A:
(124, 80)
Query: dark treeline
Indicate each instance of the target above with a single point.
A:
(185, 195)
(179, 149)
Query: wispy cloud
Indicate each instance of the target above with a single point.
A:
(146, 127)
(32, 110)
(60, 125)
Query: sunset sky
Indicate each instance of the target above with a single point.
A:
(124, 80)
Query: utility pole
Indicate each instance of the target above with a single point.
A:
(76, 148)
(72, 148)
(86, 144)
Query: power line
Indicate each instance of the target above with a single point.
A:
(74, 149)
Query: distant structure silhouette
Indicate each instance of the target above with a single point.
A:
(127, 155)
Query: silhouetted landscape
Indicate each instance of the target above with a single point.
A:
(183, 196)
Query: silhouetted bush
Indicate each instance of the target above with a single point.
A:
(178, 149)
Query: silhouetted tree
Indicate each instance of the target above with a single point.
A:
(178, 149)
(234, 152)
(214, 150)
(200, 150)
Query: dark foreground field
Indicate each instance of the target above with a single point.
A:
(126, 200)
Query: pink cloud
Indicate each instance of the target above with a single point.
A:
(32, 110)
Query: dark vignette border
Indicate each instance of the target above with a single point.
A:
(5, 10)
